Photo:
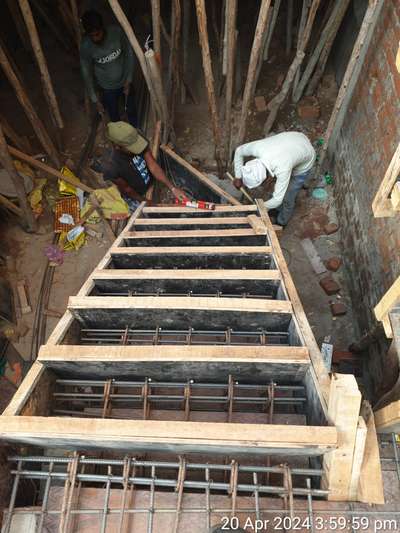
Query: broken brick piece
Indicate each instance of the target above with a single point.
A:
(260, 103)
(333, 264)
(329, 285)
(338, 309)
(331, 228)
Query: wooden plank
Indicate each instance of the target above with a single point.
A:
(388, 301)
(160, 250)
(179, 437)
(185, 274)
(26, 388)
(305, 329)
(395, 196)
(191, 233)
(191, 221)
(257, 225)
(387, 419)
(179, 302)
(61, 328)
(370, 487)
(287, 354)
(358, 456)
(344, 409)
(382, 205)
(188, 210)
(200, 176)
(23, 300)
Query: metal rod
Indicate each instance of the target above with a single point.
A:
(396, 455)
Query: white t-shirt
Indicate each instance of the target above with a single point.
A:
(283, 154)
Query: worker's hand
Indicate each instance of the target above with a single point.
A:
(100, 108)
(127, 87)
(237, 182)
(179, 194)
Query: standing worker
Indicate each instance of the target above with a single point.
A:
(107, 67)
(288, 157)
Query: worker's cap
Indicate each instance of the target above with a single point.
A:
(253, 173)
(125, 135)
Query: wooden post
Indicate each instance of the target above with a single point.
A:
(76, 24)
(187, 11)
(276, 102)
(325, 41)
(174, 54)
(41, 61)
(155, 75)
(121, 17)
(344, 410)
(8, 164)
(19, 23)
(289, 26)
(271, 27)
(230, 71)
(155, 17)
(209, 79)
(303, 18)
(54, 28)
(249, 88)
(350, 77)
(23, 99)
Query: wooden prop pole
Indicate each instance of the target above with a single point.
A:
(75, 17)
(289, 27)
(350, 77)
(174, 54)
(155, 75)
(250, 86)
(302, 24)
(22, 143)
(8, 164)
(155, 17)
(230, 70)
(325, 43)
(23, 99)
(271, 27)
(275, 104)
(19, 23)
(41, 61)
(209, 79)
(121, 17)
(186, 19)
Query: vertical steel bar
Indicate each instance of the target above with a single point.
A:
(396, 455)
(310, 507)
(151, 505)
(256, 496)
(69, 489)
(179, 490)
(106, 501)
(45, 499)
(125, 484)
(207, 493)
(12, 499)
(233, 485)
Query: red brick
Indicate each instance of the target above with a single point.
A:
(331, 228)
(338, 308)
(329, 285)
(260, 103)
(308, 108)
(334, 263)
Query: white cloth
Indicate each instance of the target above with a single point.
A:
(283, 154)
(253, 173)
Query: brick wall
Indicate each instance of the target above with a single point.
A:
(369, 136)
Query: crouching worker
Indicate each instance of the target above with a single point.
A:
(289, 157)
(132, 166)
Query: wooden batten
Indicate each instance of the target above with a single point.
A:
(186, 274)
(387, 419)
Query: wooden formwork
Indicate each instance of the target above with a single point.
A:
(199, 277)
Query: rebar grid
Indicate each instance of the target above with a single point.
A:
(218, 294)
(159, 336)
(180, 477)
(95, 398)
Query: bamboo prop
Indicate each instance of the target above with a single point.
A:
(252, 71)
(231, 49)
(48, 88)
(174, 54)
(271, 27)
(209, 79)
(289, 27)
(121, 17)
(275, 104)
(23, 99)
(155, 75)
(325, 43)
(155, 18)
(302, 24)
(8, 164)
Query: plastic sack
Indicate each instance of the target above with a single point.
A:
(112, 204)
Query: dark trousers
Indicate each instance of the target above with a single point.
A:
(111, 99)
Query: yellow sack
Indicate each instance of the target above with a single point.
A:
(64, 187)
(112, 204)
(73, 239)
(94, 218)
(36, 195)
(23, 168)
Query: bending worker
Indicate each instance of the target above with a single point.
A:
(107, 67)
(288, 157)
(132, 165)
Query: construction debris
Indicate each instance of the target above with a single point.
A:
(334, 263)
(329, 285)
